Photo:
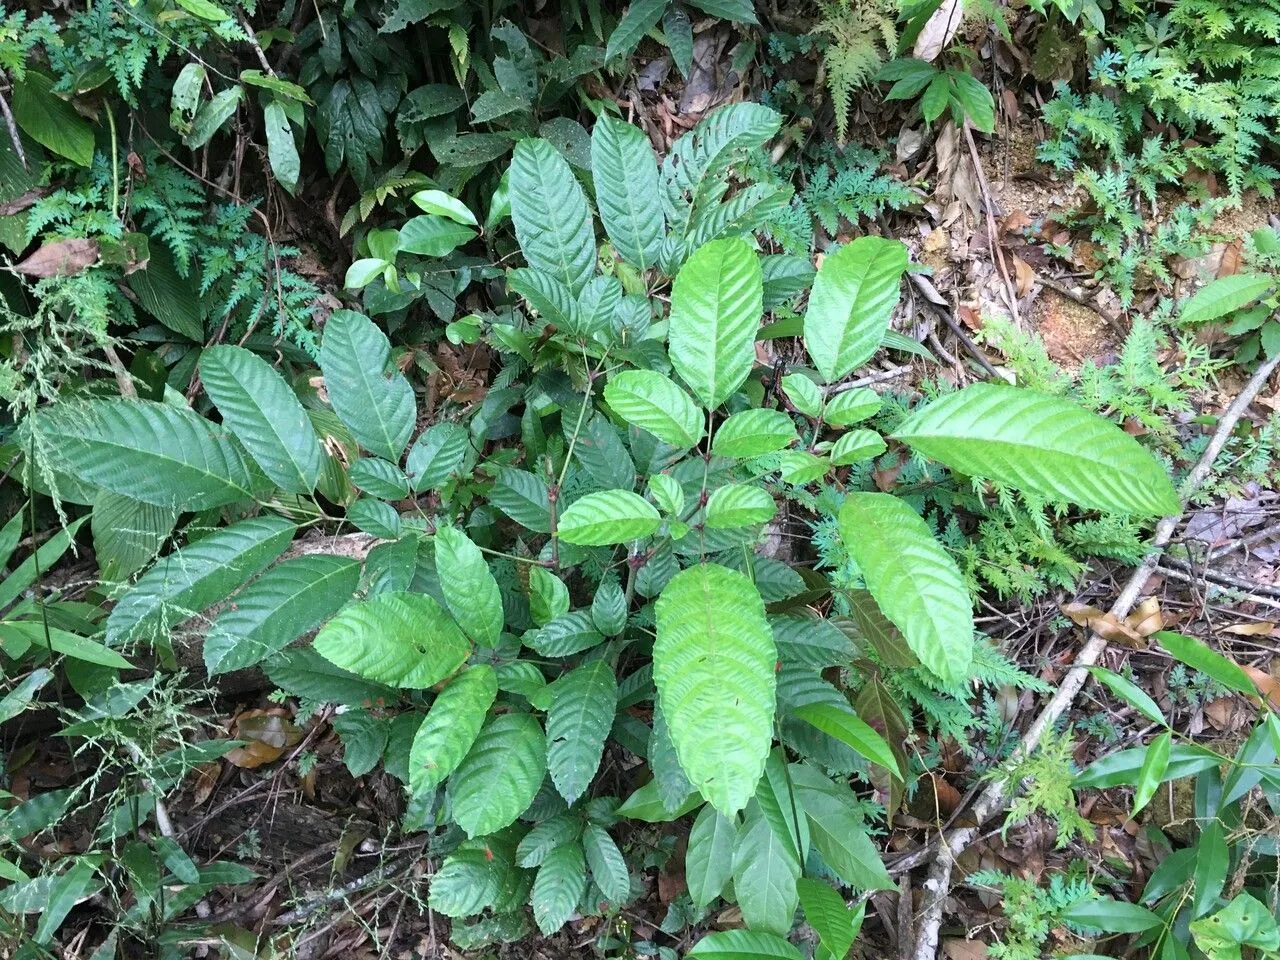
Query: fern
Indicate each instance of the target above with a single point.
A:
(1032, 911)
(860, 35)
(1046, 775)
(171, 205)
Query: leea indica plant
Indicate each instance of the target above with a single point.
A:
(568, 613)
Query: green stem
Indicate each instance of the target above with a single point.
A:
(115, 163)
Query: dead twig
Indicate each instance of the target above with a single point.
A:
(993, 237)
(9, 122)
(1217, 578)
(992, 799)
(891, 374)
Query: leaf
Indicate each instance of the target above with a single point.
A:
(857, 445)
(364, 739)
(578, 722)
(938, 30)
(439, 453)
(551, 216)
(765, 871)
(609, 608)
(172, 299)
(837, 831)
(560, 884)
(280, 87)
(205, 10)
(678, 31)
(853, 295)
(713, 665)
(612, 516)
(655, 403)
(548, 296)
(210, 118)
(641, 15)
(378, 478)
(523, 497)
(1122, 768)
(433, 236)
(1043, 444)
(400, 639)
(1111, 916)
(196, 577)
(709, 859)
(127, 535)
(1150, 776)
(1212, 860)
(154, 452)
(50, 120)
(264, 414)
(846, 727)
(608, 868)
(282, 150)
(442, 204)
(63, 893)
(739, 11)
(548, 596)
(1129, 692)
(500, 775)
(739, 505)
(470, 590)
(744, 945)
(673, 785)
(836, 925)
(804, 394)
(564, 636)
(645, 804)
(1195, 654)
(974, 99)
(1225, 295)
(60, 258)
(546, 836)
(287, 601)
(34, 633)
(753, 433)
(450, 727)
(375, 518)
(625, 173)
(367, 392)
(716, 304)
(913, 579)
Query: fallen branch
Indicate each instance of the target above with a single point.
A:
(992, 799)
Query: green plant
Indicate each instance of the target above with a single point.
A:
(615, 564)
(1032, 911)
(941, 90)
(860, 35)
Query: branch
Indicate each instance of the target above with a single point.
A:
(992, 799)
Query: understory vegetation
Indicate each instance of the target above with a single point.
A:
(494, 481)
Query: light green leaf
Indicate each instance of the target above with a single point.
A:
(205, 10)
(837, 831)
(548, 596)
(612, 516)
(645, 804)
(765, 871)
(578, 722)
(753, 433)
(470, 590)
(608, 868)
(1198, 656)
(51, 121)
(803, 393)
(370, 396)
(433, 236)
(400, 639)
(846, 727)
(853, 296)
(154, 452)
(913, 579)
(744, 945)
(210, 118)
(196, 577)
(1130, 693)
(264, 414)
(655, 403)
(551, 216)
(560, 884)
(625, 173)
(739, 505)
(450, 727)
(363, 272)
(857, 445)
(277, 85)
(443, 205)
(1225, 295)
(800, 467)
(33, 633)
(836, 925)
(708, 863)
(1043, 444)
(640, 17)
(282, 150)
(713, 664)
(716, 304)
(281, 605)
(667, 493)
(500, 775)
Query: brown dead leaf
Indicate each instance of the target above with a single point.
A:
(936, 240)
(1102, 623)
(939, 30)
(1025, 277)
(205, 776)
(1227, 714)
(1232, 258)
(62, 258)
(1263, 628)
(969, 316)
(1015, 222)
(268, 732)
(955, 948)
(1146, 618)
(1267, 685)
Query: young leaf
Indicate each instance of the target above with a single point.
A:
(578, 722)
(1198, 656)
(635, 23)
(264, 414)
(836, 925)
(196, 577)
(433, 236)
(716, 304)
(608, 868)
(913, 579)
(709, 861)
(500, 775)
(753, 433)
(441, 204)
(551, 216)
(154, 452)
(645, 804)
(1044, 444)
(713, 664)
(851, 406)
(287, 601)
(608, 517)
(744, 945)
(857, 445)
(470, 590)
(739, 505)
(450, 727)
(625, 172)
(561, 883)
(1151, 775)
(853, 295)
(400, 639)
(655, 403)
(1130, 693)
(370, 396)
